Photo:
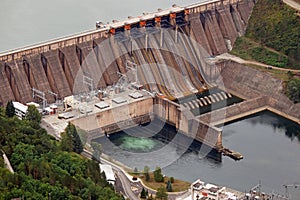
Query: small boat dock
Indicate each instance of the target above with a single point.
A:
(232, 154)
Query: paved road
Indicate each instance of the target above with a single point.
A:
(126, 183)
(293, 4)
(227, 56)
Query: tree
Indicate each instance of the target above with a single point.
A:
(172, 179)
(161, 193)
(143, 194)
(146, 173)
(78, 147)
(147, 177)
(146, 169)
(158, 177)
(10, 109)
(169, 186)
(67, 139)
(70, 140)
(293, 90)
(33, 114)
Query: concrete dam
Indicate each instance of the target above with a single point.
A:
(166, 52)
(53, 66)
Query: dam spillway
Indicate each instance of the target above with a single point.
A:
(54, 66)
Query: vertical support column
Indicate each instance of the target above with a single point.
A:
(161, 37)
(219, 141)
(146, 41)
(176, 34)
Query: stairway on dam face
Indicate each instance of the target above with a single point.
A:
(60, 84)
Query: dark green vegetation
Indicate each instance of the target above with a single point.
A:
(293, 90)
(10, 109)
(158, 176)
(161, 194)
(70, 140)
(272, 36)
(42, 169)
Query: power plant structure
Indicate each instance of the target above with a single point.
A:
(165, 57)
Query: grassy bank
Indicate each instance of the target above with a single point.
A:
(248, 49)
(177, 185)
(272, 36)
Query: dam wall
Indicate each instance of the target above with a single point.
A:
(186, 123)
(121, 117)
(54, 65)
(235, 111)
(259, 89)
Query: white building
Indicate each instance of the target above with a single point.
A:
(110, 176)
(20, 109)
(202, 191)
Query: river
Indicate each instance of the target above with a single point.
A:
(269, 143)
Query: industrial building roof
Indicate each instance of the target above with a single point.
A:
(119, 100)
(102, 105)
(136, 95)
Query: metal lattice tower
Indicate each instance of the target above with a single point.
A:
(41, 95)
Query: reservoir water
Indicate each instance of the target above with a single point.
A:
(269, 143)
(29, 22)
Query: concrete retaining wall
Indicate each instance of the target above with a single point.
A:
(259, 88)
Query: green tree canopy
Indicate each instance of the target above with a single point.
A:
(42, 170)
(169, 186)
(33, 114)
(162, 193)
(10, 109)
(70, 140)
(158, 177)
(143, 194)
(293, 90)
